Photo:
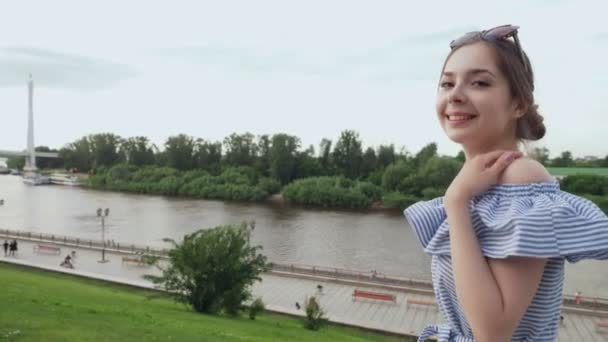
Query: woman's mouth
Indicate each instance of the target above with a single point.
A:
(460, 117)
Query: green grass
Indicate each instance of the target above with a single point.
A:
(44, 306)
(568, 171)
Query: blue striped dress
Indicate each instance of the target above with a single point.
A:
(532, 220)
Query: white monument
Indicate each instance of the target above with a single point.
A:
(30, 171)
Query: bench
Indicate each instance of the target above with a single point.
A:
(374, 295)
(136, 260)
(601, 324)
(39, 248)
(421, 302)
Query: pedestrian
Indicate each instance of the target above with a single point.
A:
(13, 248)
(5, 245)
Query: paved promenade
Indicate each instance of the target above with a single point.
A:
(281, 291)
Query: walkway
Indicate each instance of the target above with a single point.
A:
(280, 292)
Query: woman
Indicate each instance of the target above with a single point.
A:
(500, 235)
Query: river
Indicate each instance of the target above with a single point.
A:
(360, 240)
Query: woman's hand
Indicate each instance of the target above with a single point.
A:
(478, 174)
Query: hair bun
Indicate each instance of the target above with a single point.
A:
(535, 123)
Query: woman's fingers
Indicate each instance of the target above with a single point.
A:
(491, 157)
(503, 161)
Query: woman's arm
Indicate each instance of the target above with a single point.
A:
(493, 293)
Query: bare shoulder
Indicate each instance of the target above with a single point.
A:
(525, 170)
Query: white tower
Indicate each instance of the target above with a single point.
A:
(30, 161)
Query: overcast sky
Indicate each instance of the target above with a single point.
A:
(308, 68)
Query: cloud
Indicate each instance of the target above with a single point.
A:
(59, 70)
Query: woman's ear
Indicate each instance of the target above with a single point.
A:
(519, 108)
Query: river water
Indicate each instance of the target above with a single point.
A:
(360, 240)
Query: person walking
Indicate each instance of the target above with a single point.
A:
(5, 245)
(13, 248)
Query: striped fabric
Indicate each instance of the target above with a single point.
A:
(534, 220)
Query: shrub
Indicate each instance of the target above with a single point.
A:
(398, 200)
(256, 307)
(212, 270)
(314, 314)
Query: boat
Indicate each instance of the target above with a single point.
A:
(35, 178)
(64, 179)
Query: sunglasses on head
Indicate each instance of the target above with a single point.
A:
(493, 34)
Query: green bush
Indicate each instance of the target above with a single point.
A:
(585, 184)
(270, 185)
(395, 173)
(430, 193)
(398, 200)
(212, 270)
(255, 308)
(314, 314)
(370, 190)
(330, 192)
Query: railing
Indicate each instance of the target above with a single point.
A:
(84, 243)
(356, 275)
(591, 303)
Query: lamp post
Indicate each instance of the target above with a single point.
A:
(1, 203)
(103, 214)
(252, 227)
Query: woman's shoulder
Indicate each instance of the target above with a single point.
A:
(525, 170)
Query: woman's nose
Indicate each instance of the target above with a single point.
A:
(456, 95)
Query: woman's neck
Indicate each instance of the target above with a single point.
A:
(471, 151)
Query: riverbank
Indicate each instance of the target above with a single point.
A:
(46, 306)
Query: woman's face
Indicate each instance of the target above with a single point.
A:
(474, 104)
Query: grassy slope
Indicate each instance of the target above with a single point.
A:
(43, 306)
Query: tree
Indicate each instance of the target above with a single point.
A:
(307, 165)
(283, 157)
(564, 160)
(241, 149)
(347, 154)
(386, 156)
(325, 156)
(17, 162)
(369, 162)
(213, 269)
(208, 155)
(540, 154)
(138, 151)
(105, 149)
(461, 156)
(426, 153)
(78, 155)
(395, 174)
(262, 163)
(179, 152)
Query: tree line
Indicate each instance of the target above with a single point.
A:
(338, 173)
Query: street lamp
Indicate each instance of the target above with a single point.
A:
(1, 202)
(252, 227)
(103, 214)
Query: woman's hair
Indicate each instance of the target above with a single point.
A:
(521, 83)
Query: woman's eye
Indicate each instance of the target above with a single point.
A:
(446, 84)
(481, 84)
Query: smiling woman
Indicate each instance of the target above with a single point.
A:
(500, 235)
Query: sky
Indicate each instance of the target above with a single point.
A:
(308, 68)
